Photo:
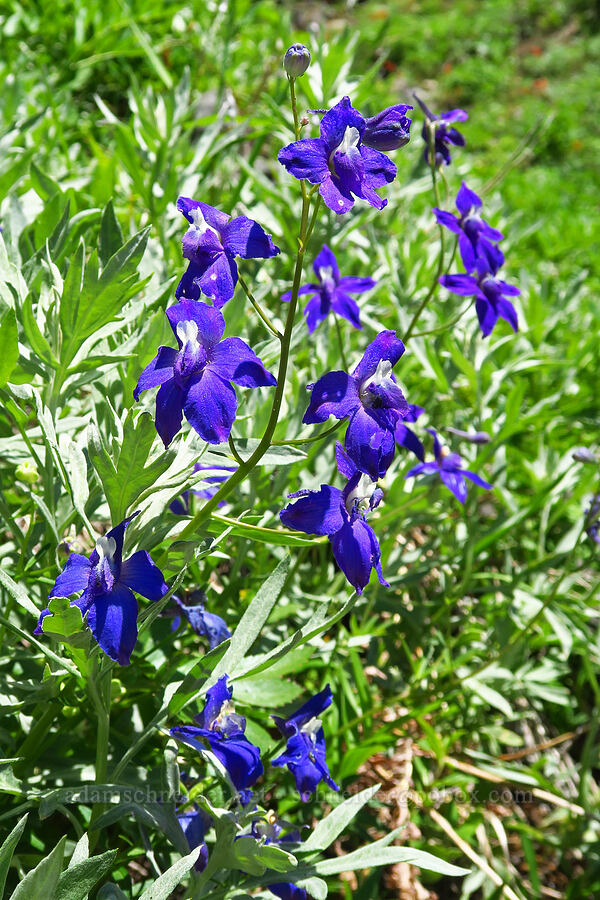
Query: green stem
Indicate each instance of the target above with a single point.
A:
(309, 440)
(447, 325)
(261, 313)
(265, 442)
(440, 266)
(340, 342)
(99, 685)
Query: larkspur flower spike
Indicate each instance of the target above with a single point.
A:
(108, 582)
(473, 231)
(297, 60)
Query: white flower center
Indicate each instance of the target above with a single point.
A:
(326, 274)
(312, 727)
(363, 492)
(445, 451)
(106, 547)
(350, 140)
(382, 375)
(187, 332)
(199, 222)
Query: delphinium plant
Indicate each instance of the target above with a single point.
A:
(165, 478)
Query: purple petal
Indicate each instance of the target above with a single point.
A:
(344, 464)
(491, 234)
(325, 259)
(305, 289)
(219, 278)
(464, 285)
(216, 696)
(455, 137)
(455, 115)
(156, 372)
(369, 444)
(386, 346)
(233, 360)
(312, 709)
(508, 290)
(169, 402)
(455, 482)
(73, 578)
(209, 320)
(447, 219)
(477, 479)
(210, 407)
(337, 119)
(486, 314)
(352, 285)
(335, 196)
(507, 311)
(189, 282)
(344, 305)
(414, 412)
(314, 512)
(466, 200)
(307, 158)
(214, 217)
(316, 310)
(113, 622)
(197, 244)
(467, 252)
(379, 168)
(437, 446)
(141, 575)
(429, 468)
(408, 439)
(38, 628)
(356, 552)
(244, 237)
(335, 394)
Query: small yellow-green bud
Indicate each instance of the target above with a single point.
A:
(27, 471)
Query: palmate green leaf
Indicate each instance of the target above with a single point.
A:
(65, 622)
(9, 344)
(77, 881)
(43, 880)
(164, 886)
(125, 478)
(88, 302)
(7, 849)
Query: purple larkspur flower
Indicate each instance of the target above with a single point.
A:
(389, 129)
(449, 466)
(194, 824)
(223, 728)
(490, 293)
(445, 133)
(469, 226)
(331, 292)
(211, 244)
(405, 437)
(181, 505)
(341, 515)
(339, 162)
(108, 582)
(371, 399)
(204, 623)
(305, 753)
(196, 378)
(269, 830)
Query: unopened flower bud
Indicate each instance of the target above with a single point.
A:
(584, 455)
(27, 471)
(297, 60)
(389, 129)
(474, 437)
(304, 120)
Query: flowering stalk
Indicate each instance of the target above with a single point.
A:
(99, 689)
